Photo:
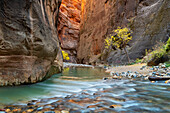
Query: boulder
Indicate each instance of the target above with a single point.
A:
(28, 40)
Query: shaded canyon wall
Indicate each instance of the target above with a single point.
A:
(148, 19)
(69, 27)
(28, 40)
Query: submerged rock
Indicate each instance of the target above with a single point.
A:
(28, 42)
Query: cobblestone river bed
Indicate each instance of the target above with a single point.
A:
(82, 90)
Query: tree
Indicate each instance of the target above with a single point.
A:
(65, 55)
(119, 40)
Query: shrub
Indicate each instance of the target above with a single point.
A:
(167, 64)
(159, 54)
(65, 55)
(167, 46)
(138, 60)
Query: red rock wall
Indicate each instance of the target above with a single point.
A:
(100, 17)
(69, 26)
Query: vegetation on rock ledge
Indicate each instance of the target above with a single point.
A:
(160, 54)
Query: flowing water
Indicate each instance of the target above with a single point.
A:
(129, 96)
(72, 80)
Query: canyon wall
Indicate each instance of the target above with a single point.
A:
(28, 40)
(69, 27)
(148, 19)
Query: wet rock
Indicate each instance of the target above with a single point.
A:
(64, 111)
(146, 78)
(116, 77)
(134, 75)
(143, 67)
(161, 71)
(74, 111)
(49, 112)
(36, 112)
(39, 109)
(19, 110)
(56, 111)
(7, 110)
(153, 73)
(111, 73)
(115, 106)
(30, 110)
(2, 109)
(167, 81)
(163, 66)
(94, 106)
(33, 103)
(105, 78)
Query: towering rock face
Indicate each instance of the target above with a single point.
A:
(150, 26)
(148, 19)
(69, 27)
(28, 40)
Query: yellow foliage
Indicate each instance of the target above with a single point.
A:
(120, 40)
(65, 55)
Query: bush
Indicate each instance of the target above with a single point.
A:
(65, 55)
(167, 46)
(160, 54)
(167, 64)
(138, 60)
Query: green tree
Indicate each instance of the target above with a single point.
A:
(119, 40)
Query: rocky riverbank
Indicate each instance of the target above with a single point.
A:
(126, 90)
(140, 71)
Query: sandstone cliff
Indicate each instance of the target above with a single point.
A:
(149, 20)
(28, 40)
(69, 27)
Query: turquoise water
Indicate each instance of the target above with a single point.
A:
(72, 80)
(134, 96)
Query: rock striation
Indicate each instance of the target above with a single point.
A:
(28, 40)
(69, 27)
(148, 19)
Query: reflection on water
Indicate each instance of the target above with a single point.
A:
(72, 80)
(132, 96)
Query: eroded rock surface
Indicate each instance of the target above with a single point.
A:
(69, 27)
(148, 19)
(28, 40)
(150, 26)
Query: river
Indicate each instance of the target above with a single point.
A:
(128, 95)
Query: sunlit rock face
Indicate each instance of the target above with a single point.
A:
(99, 17)
(28, 40)
(69, 27)
(148, 19)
